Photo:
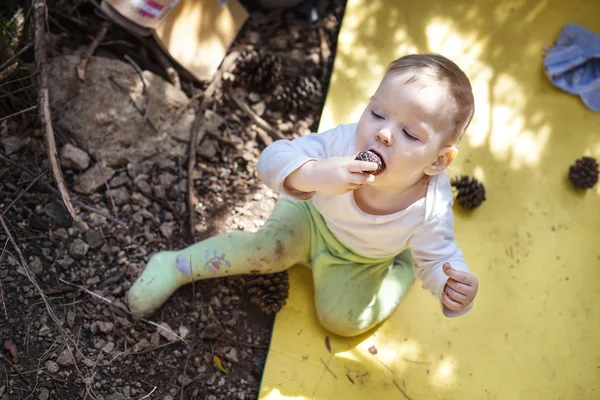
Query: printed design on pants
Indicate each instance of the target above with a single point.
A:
(183, 265)
(215, 262)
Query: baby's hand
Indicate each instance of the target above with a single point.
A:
(460, 289)
(335, 175)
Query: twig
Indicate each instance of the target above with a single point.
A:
(274, 133)
(326, 366)
(401, 391)
(127, 311)
(197, 133)
(15, 369)
(18, 113)
(17, 91)
(164, 62)
(144, 92)
(264, 136)
(18, 79)
(22, 193)
(85, 58)
(44, 103)
(1, 286)
(53, 190)
(17, 54)
(148, 395)
(7, 71)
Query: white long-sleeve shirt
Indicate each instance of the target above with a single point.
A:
(425, 227)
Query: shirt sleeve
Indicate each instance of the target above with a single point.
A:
(283, 157)
(432, 245)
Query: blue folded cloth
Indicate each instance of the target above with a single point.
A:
(573, 64)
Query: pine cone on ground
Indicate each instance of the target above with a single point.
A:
(584, 173)
(471, 193)
(298, 94)
(269, 291)
(257, 70)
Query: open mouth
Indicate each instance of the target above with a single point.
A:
(374, 157)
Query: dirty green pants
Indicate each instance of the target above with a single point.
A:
(352, 293)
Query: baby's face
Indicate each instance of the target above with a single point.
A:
(406, 124)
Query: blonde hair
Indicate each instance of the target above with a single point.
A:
(442, 70)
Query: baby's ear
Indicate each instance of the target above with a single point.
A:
(443, 160)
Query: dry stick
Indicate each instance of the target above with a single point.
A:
(24, 88)
(148, 395)
(7, 71)
(85, 58)
(2, 287)
(22, 193)
(127, 311)
(274, 133)
(44, 103)
(400, 389)
(144, 92)
(53, 190)
(15, 369)
(164, 62)
(19, 53)
(18, 113)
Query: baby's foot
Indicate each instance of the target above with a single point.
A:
(159, 280)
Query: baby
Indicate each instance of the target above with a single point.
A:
(365, 228)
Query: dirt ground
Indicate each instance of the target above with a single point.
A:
(65, 332)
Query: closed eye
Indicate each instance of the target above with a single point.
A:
(375, 115)
(409, 136)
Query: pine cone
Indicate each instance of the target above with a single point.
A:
(584, 173)
(269, 291)
(258, 71)
(298, 94)
(471, 192)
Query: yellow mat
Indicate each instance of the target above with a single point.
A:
(535, 330)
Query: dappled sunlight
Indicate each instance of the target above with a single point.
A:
(275, 394)
(445, 373)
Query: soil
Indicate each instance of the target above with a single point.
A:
(65, 332)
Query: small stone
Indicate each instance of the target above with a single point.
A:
(70, 318)
(92, 179)
(74, 158)
(44, 331)
(108, 348)
(36, 266)
(65, 358)
(373, 350)
(138, 217)
(253, 97)
(61, 234)
(168, 397)
(52, 367)
(139, 199)
(78, 248)
(184, 380)
(232, 355)
(120, 196)
(167, 229)
(141, 345)
(93, 238)
(257, 196)
(183, 331)
(144, 187)
(208, 149)
(166, 179)
(259, 108)
(165, 331)
(56, 211)
(44, 394)
(127, 392)
(99, 344)
(155, 339)
(106, 327)
(118, 181)
(12, 144)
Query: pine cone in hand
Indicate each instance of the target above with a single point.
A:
(258, 71)
(584, 173)
(471, 192)
(269, 291)
(298, 94)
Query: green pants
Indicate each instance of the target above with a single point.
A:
(352, 293)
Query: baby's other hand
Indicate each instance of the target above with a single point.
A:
(460, 289)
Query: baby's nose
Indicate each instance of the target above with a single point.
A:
(385, 137)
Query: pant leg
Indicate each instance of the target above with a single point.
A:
(352, 298)
(283, 241)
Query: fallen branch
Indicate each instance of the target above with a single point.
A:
(17, 54)
(7, 71)
(96, 295)
(18, 113)
(274, 133)
(44, 103)
(85, 58)
(53, 190)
